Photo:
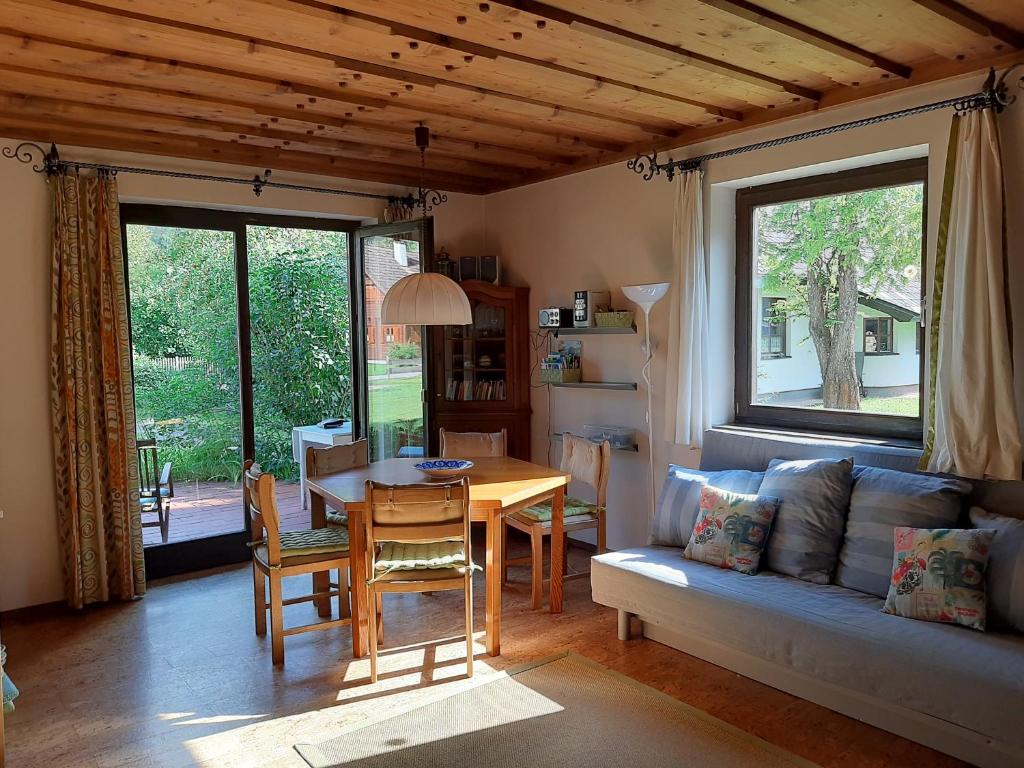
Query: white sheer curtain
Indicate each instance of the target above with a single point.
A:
(974, 430)
(687, 396)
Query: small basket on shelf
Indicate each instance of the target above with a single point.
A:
(561, 375)
(614, 319)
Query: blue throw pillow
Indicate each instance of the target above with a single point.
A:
(814, 495)
(679, 500)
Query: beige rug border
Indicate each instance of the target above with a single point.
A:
(528, 665)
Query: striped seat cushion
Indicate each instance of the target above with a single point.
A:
(420, 556)
(813, 495)
(679, 500)
(336, 518)
(317, 541)
(573, 507)
(881, 501)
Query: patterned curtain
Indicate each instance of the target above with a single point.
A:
(97, 469)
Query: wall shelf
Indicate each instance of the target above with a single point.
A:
(591, 331)
(634, 448)
(619, 385)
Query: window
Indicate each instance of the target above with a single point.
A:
(878, 336)
(829, 275)
(773, 328)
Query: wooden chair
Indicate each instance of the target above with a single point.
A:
(470, 445)
(587, 462)
(156, 488)
(276, 555)
(418, 540)
(338, 458)
(325, 461)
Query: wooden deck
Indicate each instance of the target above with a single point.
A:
(199, 510)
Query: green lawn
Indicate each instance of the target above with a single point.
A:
(378, 369)
(889, 406)
(396, 400)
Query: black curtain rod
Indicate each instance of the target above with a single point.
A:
(994, 94)
(50, 163)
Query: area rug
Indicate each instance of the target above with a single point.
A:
(564, 711)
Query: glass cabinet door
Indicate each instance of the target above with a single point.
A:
(475, 356)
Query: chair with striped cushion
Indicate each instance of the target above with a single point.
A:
(588, 463)
(418, 540)
(276, 555)
(326, 461)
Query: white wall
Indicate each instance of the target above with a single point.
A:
(606, 228)
(30, 570)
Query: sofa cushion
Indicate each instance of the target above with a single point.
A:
(731, 529)
(826, 632)
(938, 574)
(813, 495)
(1005, 568)
(882, 500)
(680, 498)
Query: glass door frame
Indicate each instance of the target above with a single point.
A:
(180, 557)
(424, 229)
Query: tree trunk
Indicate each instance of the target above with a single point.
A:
(832, 310)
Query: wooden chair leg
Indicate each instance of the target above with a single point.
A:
(380, 618)
(537, 565)
(469, 624)
(602, 533)
(165, 528)
(276, 619)
(372, 619)
(565, 555)
(344, 606)
(259, 599)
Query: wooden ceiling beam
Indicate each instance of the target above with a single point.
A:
(652, 45)
(90, 24)
(933, 72)
(168, 145)
(805, 34)
(970, 19)
(335, 26)
(87, 113)
(477, 49)
(122, 69)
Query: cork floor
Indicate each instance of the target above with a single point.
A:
(180, 679)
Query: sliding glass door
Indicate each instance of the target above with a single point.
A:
(241, 331)
(396, 355)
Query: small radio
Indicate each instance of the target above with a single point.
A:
(555, 317)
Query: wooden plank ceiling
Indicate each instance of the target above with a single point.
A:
(512, 91)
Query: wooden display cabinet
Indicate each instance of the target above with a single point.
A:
(480, 373)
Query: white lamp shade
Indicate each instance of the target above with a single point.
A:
(646, 295)
(426, 298)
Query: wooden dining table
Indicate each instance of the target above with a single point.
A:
(497, 486)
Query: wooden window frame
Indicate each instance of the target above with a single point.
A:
(903, 428)
(891, 336)
(783, 324)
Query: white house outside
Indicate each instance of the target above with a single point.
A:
(886, 346)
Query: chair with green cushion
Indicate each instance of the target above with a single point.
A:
(418, 540)
(588, 463)
(327, 461)
(276, 555)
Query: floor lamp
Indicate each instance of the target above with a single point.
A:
(646, 296)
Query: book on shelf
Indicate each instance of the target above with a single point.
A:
(481, 390)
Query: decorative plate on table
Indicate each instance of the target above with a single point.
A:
(443, 468)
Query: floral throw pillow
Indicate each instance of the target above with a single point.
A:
(731, 529)
(938, 575)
